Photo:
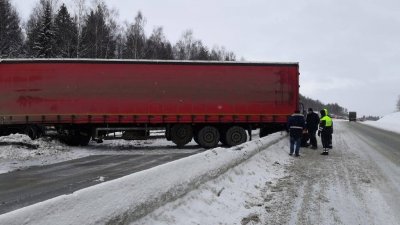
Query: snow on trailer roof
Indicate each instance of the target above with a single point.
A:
(145, 61)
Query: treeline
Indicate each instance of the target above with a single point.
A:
(52, 31)
(334, 109)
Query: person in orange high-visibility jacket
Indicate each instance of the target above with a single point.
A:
(325, 130)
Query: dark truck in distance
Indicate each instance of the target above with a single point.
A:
(208, 102)
(352, 116)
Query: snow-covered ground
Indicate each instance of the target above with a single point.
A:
(18, 151)
(130, 197)
(256, 183)
(389, 122)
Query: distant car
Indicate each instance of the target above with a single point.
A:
(352, 116)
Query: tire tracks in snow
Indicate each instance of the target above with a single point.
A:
(334, 189)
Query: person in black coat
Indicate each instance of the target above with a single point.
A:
(312, 123)
(296, 125)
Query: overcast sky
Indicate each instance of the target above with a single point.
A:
(348, 50)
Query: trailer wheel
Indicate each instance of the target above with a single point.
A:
(235, 136)
(181, 134)
(72, 140)
(77, 137)
(84, 139)
(32, 132)
(208, 137)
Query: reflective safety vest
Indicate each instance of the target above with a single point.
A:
(328, 121)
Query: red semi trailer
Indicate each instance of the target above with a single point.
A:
(211, 102)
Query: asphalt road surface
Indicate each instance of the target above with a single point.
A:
(35, 184)
(358, 183)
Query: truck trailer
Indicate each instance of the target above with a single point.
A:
(352, 116)
(85, 100)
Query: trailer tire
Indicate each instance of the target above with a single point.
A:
(208, 137)
(181, 134)
(72, 140)
(235, 136)
(77, 137)
(32, 132)
(84, 140)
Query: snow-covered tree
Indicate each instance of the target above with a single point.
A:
(45, 44)
(11, 39)
(40, 31)
(65, 34)
(136, 39)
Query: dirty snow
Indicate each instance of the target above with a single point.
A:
(355, 184)
(18, 151)
(124, 199)
(240, 196)
(389, 122)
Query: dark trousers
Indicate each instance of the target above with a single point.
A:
(326, 139)
(295, 145)
(313, 139)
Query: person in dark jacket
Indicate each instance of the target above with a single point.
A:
(312, 123)
(296, 125)
(304, 139)
(325, 131)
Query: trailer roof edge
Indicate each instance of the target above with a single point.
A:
(139, 61)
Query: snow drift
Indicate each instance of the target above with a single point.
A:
(389, 122)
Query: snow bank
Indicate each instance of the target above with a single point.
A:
(21, 147)
(125, 199)
(244, 194)
(18, 151)
(389, 122)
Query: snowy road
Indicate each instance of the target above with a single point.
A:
(36, 184)
(358, 183)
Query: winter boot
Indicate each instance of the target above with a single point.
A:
(325, 152)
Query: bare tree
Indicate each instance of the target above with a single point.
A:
(80, 12)
(221, 54)
(135, 39)
(189, 48)
(157, 46)
(398, 104)
(182, 49)
(98, 40)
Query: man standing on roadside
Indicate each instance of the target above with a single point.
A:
(296, 124)
(325, 131)
(312, 127)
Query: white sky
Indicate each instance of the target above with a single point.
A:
(349, 51)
